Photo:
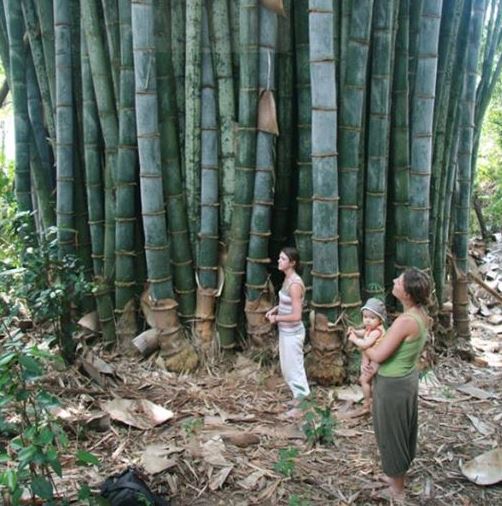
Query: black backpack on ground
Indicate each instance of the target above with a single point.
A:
(128, 489)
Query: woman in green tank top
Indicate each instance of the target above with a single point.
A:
(395, 391)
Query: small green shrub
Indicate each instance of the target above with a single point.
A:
(295, 500)
(286, 463)
(318, 423)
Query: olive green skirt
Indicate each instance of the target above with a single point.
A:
(395, 421)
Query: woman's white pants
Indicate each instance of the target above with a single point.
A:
(291, 359)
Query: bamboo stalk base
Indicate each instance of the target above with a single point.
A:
(259, 329)
(204, 327)
(326, 362)
(175, 349)
(127, 326)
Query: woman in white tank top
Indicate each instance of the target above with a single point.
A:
(288, 317)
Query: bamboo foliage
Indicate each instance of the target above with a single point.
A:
(211, 133)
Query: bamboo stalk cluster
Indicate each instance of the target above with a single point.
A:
(179, 145)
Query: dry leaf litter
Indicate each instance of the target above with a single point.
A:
(212, 438)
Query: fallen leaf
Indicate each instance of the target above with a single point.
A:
(473, 391)
(139, 413)
(90, 321)
(212, 451)
(351, 393)
(99, 363)
(482, 427)
(485, 469)
(89, 370)
(241, 439)
(155, 459)
(348, 432)
(250, 482)
(495, 319)
(219, 478)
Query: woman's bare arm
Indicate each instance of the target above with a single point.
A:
(403, 327)
(296, 293)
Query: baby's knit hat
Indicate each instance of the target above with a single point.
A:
(377, 307)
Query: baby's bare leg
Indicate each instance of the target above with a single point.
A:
(368, 370)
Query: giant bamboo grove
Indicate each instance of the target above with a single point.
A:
(208, 134)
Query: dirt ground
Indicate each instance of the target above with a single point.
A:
(218, 437)
(222, 445)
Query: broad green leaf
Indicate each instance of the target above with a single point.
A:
(26, 454)
(84, 492)
(9, 479)
(4, 457)
(7, 358)
(47, 400)
(87, 458)
(42, 487)
(56, 465)
(31, 365)
(45, 437)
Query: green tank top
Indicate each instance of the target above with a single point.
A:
(404, 359)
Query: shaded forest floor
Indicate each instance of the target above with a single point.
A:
(225, 441)
(222, 444)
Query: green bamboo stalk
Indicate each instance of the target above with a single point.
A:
(378, 148)
(192, 117)
(283, 208)
(103, 87)
(416, 9)
(182, 261)
(45, 13)
(178, 43)
(31, 21)
(176, 351)
(4, 45)
(152, 200)
(92, 161)
(244, 175)
(95, 195)
(257, 275)
(236, 37)
(345, 19)
(399, 146)
(127, 169)
(303, 232)
(452, 15)
(111, 15)
(326, 364)
(324, 158)
(222, 54)
(65, 206)
(461, 234)
(15, 30)
(350, 144)
(39, 150)
(421, 134)
(450, 148)
(207, 264)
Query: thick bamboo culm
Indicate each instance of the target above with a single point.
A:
(209, 134)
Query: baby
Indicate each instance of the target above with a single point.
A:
(374, 316)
